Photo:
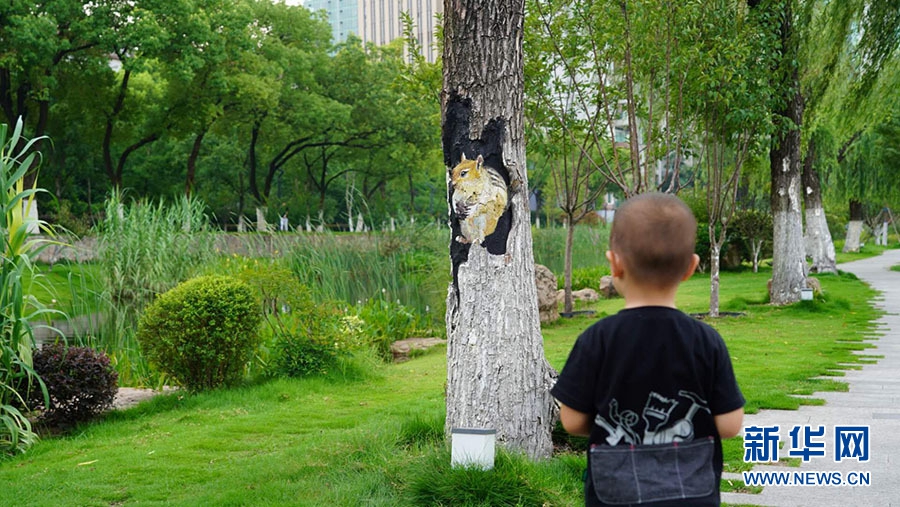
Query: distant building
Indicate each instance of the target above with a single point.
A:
(378, 21)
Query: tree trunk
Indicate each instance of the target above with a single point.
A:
(497, 376)
(568, 305)
(261, 224)
(881, 234)
(788, 260)
(854, 228)
(756, 249)
(192, 162)
(715, 249)
(819, 245)
(30, 214)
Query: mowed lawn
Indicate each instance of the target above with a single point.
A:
(354, 441)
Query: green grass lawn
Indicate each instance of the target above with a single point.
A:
(376, 440)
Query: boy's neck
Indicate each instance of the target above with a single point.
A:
(638, 296)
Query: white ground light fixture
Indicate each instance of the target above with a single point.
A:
(806, 294)
(472, 447)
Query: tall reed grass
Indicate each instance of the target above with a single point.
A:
(144, 249)
(588, 250)
(410, 266)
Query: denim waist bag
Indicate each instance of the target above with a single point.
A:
(634, 474)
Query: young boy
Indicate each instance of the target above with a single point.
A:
(653, 388)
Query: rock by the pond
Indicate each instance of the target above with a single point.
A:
(545, 281)
(607, 288)
(588, 295)
(401, 348)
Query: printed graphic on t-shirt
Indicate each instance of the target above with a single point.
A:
(654, 425)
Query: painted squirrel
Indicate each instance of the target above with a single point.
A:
(479, 199)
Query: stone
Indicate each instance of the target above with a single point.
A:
(401, 348)
(607, 288)
(545, 280)
(589, 295)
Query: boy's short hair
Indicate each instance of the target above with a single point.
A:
(654, 235)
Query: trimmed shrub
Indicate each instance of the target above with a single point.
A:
(81, 383)
(203, 332)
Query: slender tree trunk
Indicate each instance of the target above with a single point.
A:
(568, 305)
(854, 228)
(819, 245)
(497, 376)
(192, 162)
(756, 247)
(261, 224)
(715, 250)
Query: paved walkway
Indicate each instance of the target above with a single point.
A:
(873, 400)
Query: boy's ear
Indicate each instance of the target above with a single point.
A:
(695, 261)
(615, 267)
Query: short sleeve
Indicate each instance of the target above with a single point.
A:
(576, 384)
(727, 395)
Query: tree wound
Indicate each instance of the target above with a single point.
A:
(458, 143)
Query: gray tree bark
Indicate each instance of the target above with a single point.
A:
(568, 303)
(819, 245)
(261, 224)
(854, 227)
(788, 259)
(497, 376)
(715, 250)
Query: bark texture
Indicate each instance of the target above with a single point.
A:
(714, 262)
(497, 376)
(819, 245)
(854, 227)
(788, 259)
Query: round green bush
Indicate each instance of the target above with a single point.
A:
(203, 332)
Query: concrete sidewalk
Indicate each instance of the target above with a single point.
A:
(873, 400)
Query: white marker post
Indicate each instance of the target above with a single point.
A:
(472, 447)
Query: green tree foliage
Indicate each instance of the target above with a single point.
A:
(238, 101)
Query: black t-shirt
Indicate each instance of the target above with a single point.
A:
(650, 377)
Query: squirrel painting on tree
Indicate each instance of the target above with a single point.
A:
(479, 199)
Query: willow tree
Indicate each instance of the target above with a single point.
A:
(497, 376)
(855, 55)
(815, 37)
